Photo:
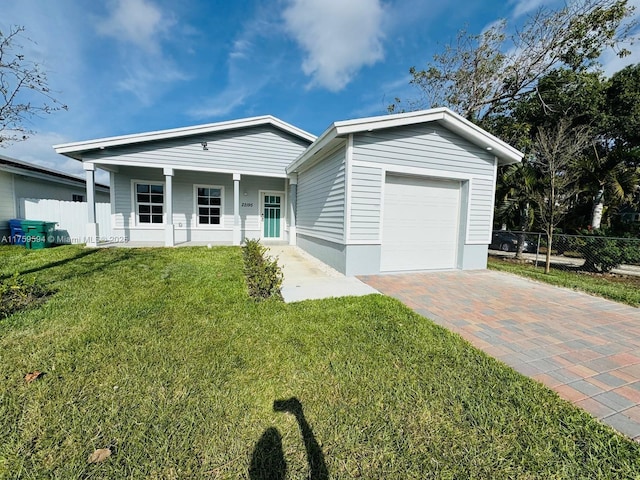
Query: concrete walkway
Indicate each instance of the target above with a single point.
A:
(585, 348)
(307, 278)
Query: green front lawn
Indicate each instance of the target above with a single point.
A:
(159, 355)
(619, 288)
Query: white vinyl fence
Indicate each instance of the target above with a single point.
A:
(71, 218)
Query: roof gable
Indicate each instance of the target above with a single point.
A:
(77, 149)
(505, 153)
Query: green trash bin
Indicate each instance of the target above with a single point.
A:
(38, 234)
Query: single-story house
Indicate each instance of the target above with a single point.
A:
(411, 191)
(20, 180)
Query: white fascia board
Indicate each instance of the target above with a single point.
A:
(389, 121)
(66, 180)
(450, 120)
(322, 141)
(75, 149)
(466, 129)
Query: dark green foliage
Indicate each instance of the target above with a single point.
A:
(264, 276)
(16, 294)
(604, 254)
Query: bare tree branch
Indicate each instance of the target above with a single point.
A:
(24, 89)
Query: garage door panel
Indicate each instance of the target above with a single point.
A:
(420, 224)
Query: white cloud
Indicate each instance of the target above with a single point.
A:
(136, 21)
(338, 37)
(222, 104)
(146, 77)
(147, 70)
(523, 7)
(254, 61)
(38, 150)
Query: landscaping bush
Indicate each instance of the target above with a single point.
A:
(17, 294)
(604, 254)
(264, 276)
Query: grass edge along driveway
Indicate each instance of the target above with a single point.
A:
(160, 356)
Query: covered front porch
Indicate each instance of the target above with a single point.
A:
(153, 206)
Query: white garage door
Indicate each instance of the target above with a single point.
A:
(420, 224)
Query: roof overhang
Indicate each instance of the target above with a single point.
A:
(19, 167)
(504, 152)
(77, 149)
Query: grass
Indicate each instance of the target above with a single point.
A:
(160, 355)
(624, 289)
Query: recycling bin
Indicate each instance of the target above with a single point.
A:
(17, 234)
(38, 234)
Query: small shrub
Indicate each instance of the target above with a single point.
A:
(603, 254)
(17, 294)
(264, 276)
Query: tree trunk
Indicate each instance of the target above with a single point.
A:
(547, 266)
(598, 207)
(524, 215)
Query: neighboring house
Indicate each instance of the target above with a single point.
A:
(411, 191)
(20, 180)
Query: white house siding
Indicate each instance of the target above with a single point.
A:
(29, 187)
(184, 213)
(321, 206)
(366, 194)
(7, 202)
(432, 147)
(264, 150)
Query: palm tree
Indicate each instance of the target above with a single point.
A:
(514, 192)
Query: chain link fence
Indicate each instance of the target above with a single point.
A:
(588, 253)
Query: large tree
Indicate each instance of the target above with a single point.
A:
(24, 89)
(481, 75)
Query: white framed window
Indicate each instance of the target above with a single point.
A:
(149, 200)
(209, 200)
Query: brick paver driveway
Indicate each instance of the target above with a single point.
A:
(584, 347)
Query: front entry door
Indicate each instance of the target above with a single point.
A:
(272, 214)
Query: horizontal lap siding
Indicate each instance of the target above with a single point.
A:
(321, 198)
(433, 147)
(7, 199)
(260, 150)
(366, 194)
(183, 196)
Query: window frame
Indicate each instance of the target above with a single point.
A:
(196, 212)
(136, 204)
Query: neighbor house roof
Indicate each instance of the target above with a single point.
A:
(20, 167)
(505, 153)
(76, 149)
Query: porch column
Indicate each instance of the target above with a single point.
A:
(236, 209)
(91, 239)
(169, 232)
(293, 202)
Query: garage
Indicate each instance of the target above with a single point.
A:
(420, 224)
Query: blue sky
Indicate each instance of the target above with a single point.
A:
(128, 66)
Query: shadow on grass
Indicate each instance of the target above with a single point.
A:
(58, 263)
(267, 460)
(83, 263)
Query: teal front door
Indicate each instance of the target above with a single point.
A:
(271, 215)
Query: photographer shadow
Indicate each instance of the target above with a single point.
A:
(267, 460)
